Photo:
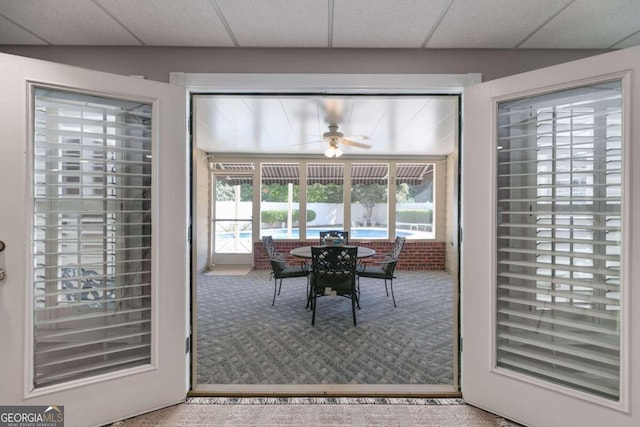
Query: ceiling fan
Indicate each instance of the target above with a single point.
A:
(334, 137)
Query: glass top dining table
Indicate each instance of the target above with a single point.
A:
(305, 252)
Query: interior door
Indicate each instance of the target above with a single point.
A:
(93, 307)
(549, 295)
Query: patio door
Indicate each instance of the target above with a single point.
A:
(232, 219)
(93, 259)
(549, 291)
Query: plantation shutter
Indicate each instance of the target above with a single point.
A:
(559, 237)
(91, 235)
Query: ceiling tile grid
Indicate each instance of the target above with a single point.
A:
(282, 23)
(588, 24)
(497, 23)
(170, 22)
(383, 23)
(11, 33)
(67, 22)
(487, 24)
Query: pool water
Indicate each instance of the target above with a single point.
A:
(314, 233)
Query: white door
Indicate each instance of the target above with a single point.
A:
(550, 246)
(93, 216)
(232, 219)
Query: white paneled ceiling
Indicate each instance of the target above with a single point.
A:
(293, 125)
(555, 24)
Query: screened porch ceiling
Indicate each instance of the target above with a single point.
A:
(293, 125)
(325, 173)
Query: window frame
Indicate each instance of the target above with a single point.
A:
(438, 162)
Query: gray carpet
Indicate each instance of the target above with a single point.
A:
(319, 412)
(242, 339)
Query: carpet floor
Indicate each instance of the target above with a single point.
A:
(242, 339)
(319, 412)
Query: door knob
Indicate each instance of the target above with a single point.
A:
(2, 274)
(2, 246)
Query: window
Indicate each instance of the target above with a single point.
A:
(559, 237)
(370, 200)
(92, 235)
(325, 197)
(414, 200)
(233, 207)
(302, 198)
(280, 200)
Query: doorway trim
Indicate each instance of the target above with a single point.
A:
(318, 84)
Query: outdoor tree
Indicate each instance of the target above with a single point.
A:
(324, 193)
(368, 195)
(225, 191)
(278, 192)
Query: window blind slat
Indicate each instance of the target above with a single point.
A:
(560, 294)
(561, 375)
(85, 369)
(562, 267)
(91, 235)
(556, 319)
(48, 335)
(93, 315)
(101, 340)
(558, 230)
(603, 341)
(587, 313)
(581, 255)
(584, 283)
(583, 352)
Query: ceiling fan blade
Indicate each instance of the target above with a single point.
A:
(354, 144)
(355, 137)
(311, 142)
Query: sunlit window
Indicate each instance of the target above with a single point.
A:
(325, 197)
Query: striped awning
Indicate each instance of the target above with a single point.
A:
(327, 173)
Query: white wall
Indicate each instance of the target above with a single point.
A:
(155, 63)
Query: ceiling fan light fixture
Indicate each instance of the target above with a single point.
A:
(330, 151)
(333, 150)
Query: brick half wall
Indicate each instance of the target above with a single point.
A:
(415, 255)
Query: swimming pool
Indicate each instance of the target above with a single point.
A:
(314, 233)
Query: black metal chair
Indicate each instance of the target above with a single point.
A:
(281, 270)
(333, 273)
(383, 269)
(344, 235)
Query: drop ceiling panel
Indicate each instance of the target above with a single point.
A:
(11, 33)
(170, 23)
(492, 23)
(634, 40)
(589, 24)
(383, 23)
(285, 23)
(67, 22)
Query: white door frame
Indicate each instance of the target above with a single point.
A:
(428, 84)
